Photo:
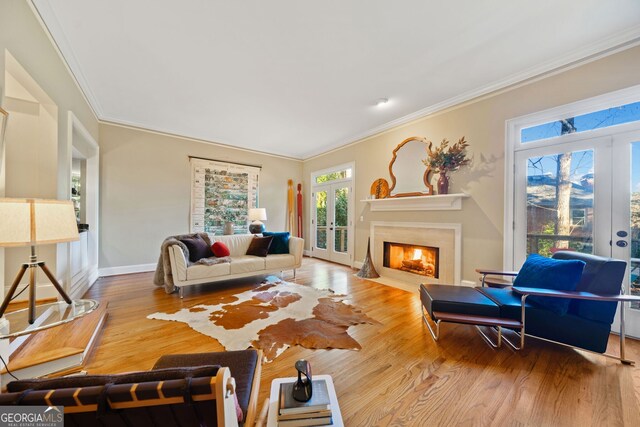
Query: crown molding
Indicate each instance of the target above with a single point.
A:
(134, 126)
(61, 44)
(606, 47)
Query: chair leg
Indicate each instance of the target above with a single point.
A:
(489, 341)
(512, 345)
(623, 359)
(435, 335)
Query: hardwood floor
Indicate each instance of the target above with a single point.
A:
(401, 377)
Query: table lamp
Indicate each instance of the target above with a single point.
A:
(31, 222)
(257, 215)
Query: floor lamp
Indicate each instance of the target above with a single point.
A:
(31, 222)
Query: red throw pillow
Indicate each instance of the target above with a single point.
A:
(220, 249)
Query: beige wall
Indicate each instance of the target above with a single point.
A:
(483, 124)
(145, 190)
(37, 153)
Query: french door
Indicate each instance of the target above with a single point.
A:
(625, 237)
(332, 224)
(582, 195)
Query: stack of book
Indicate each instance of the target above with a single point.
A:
(315, 412)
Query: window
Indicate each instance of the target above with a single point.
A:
(578, 217)
(333, 176)
(582, 123)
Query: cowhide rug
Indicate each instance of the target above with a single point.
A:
(273, 317)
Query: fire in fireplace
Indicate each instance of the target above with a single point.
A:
(415, 259)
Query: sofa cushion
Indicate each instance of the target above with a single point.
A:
(260, 246)
(456, 299)
(242, 365)
(165, 374)
(280, 243)
(548, 273)
(246, 264)
(197, 247)
(237, 243)
(600, 276)
(284, 261)
(220, 250)
(200, 271)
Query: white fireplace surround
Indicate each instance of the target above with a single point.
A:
(446, 236)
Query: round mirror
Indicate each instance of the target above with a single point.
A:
(409, 176)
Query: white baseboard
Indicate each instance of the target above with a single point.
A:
(358, 264)
(126, 269)
(307, 253)
(468, 283)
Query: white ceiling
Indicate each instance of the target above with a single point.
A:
(297, 78)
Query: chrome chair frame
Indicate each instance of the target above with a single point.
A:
(621, 298)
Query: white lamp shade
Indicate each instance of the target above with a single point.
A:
(257, 214)
(26, 222)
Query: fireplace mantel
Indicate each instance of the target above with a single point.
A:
(440, 202)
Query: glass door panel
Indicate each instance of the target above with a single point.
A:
(341, 215)
(560, 202)
(625, 236)
(634, 223)
(321, 229)
(563, 199)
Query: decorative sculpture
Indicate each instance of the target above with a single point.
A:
(368, 271)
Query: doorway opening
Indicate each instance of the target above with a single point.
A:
(332, 214)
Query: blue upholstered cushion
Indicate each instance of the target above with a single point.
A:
(602, 276)
(549, 273)
(280, 242)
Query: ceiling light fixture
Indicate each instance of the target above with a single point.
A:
(381, 102)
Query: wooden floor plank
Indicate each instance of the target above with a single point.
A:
(401, 377)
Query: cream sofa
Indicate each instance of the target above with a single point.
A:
(241, 265)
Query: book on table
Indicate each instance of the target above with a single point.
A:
(318, 405)
(306, 422)
(316, 414)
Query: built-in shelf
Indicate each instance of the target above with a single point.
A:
(440, 202)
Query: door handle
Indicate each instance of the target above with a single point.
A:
(622, 243)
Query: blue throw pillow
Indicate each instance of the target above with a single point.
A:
(548, 273)
(280, 242)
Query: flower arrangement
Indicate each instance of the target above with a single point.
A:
(447, 159)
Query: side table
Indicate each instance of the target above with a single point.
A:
(274, 400)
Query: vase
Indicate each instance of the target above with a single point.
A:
(443, 183)
(228, 228)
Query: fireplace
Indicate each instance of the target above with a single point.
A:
(438, 261)
(416, 259)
